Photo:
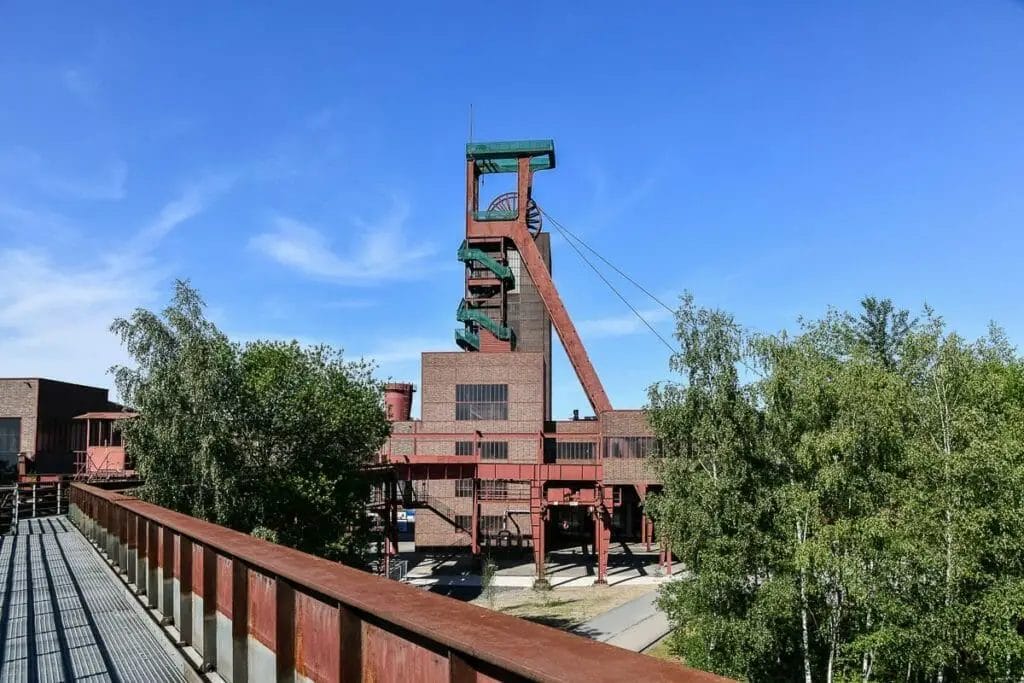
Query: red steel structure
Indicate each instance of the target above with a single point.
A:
(257, 611)
(485, 461)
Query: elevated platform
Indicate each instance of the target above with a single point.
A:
(502, 157)
(67, 618)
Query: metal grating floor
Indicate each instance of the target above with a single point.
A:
(64, 617)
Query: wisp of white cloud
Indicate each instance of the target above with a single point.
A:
(55, 316)
(382, 251)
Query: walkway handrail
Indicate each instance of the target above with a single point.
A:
(302, 614)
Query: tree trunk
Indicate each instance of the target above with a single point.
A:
(800, 535)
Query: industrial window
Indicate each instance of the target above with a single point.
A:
(464, 522)
(491, 525)
(481, 401)
(494, 450)
(630, 446)
(10, 444)
(515, 264)
(574, 450)
(463, 448)
(463, 488)
(10, 435)
(494, 489)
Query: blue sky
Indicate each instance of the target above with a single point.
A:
(304, 167)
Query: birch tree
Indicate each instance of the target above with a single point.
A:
(266, 437)
(848, 498)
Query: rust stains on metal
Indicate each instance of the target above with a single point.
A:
(385, 652)
(224, 571)
(197, 569)
(326, 591)
(263, 609)
(317, 639)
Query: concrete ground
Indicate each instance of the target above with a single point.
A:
(568, 609)
(635, 625)
(624, 614)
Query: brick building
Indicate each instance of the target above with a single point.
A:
(37, 422)
(485, 464)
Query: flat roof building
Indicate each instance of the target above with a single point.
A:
(37, 422)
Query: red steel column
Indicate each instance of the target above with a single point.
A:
(475, 519)
(603, 533)
(537, 527)
(393, 535)
(388, 506)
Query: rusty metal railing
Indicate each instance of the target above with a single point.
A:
(256, 611)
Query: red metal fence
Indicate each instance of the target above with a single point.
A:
(257, 611)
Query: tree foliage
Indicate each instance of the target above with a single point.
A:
(848, 498)
(267, 437)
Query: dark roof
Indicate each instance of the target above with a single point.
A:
(54, 381)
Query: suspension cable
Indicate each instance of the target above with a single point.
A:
(611, 265)
(572, 238)
(612, 287)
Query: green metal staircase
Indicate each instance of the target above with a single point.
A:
(467, 339)
(467, 254)
(467, 314)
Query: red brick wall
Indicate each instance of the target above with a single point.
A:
(20, 398)
(626, 470)
(625, 423)
(522, 372)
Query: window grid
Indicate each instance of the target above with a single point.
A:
(515, 264)
(10, 434)
(630, 446)
(481, 401)
(491, 525)
(463, 448)
(574, 450)
(494, 450)
(463, 488)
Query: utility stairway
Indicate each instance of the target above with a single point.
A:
(476, 317)
(468, 337)
(417, 497)
(468, 254)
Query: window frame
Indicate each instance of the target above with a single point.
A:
(481, 402)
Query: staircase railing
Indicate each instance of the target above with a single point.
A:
(411, 497)
(467, 254)
(468, 314)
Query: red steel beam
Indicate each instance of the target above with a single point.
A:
(329, 622)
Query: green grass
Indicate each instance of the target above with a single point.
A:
(661, 651)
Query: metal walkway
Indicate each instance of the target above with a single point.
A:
(65, 617)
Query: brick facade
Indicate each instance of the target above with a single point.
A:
(19, 398)
(46, 408)
(522, 372)
(528, 317)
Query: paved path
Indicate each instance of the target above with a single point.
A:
(65, 617)
(634, 625)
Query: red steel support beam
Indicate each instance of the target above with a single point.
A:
(560, 318)
(517, 231)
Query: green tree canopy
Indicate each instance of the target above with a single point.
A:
(848, 498)
(264, 437)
